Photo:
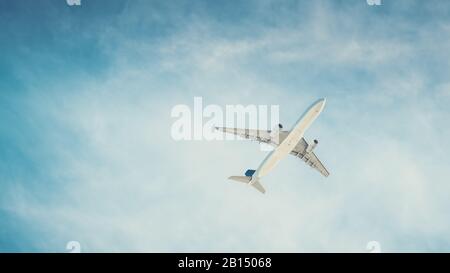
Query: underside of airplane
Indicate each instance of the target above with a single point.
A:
(285, 142)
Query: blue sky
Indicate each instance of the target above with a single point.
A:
(86, 153)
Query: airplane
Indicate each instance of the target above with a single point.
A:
(285, 142)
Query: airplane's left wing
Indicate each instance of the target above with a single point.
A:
(310, 158)
(252, 134)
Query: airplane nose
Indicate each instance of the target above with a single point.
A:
(319, 105)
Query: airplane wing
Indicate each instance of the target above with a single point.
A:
(309, 158)
(252, 134)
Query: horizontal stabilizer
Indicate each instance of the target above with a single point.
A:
(243, 179)
(246, 180)
(258, 186)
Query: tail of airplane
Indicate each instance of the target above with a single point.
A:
(248, 179)
(258, 186)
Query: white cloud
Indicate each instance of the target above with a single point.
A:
(128, 186)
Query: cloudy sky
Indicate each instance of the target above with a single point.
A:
(86, 152)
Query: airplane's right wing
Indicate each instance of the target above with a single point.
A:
(310, 158)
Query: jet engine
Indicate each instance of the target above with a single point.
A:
(277, 128)
(311, 147)
(274, 134)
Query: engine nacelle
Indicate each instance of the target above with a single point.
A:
(275, 133)
(311, 147)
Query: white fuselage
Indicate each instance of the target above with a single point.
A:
(290, 141)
